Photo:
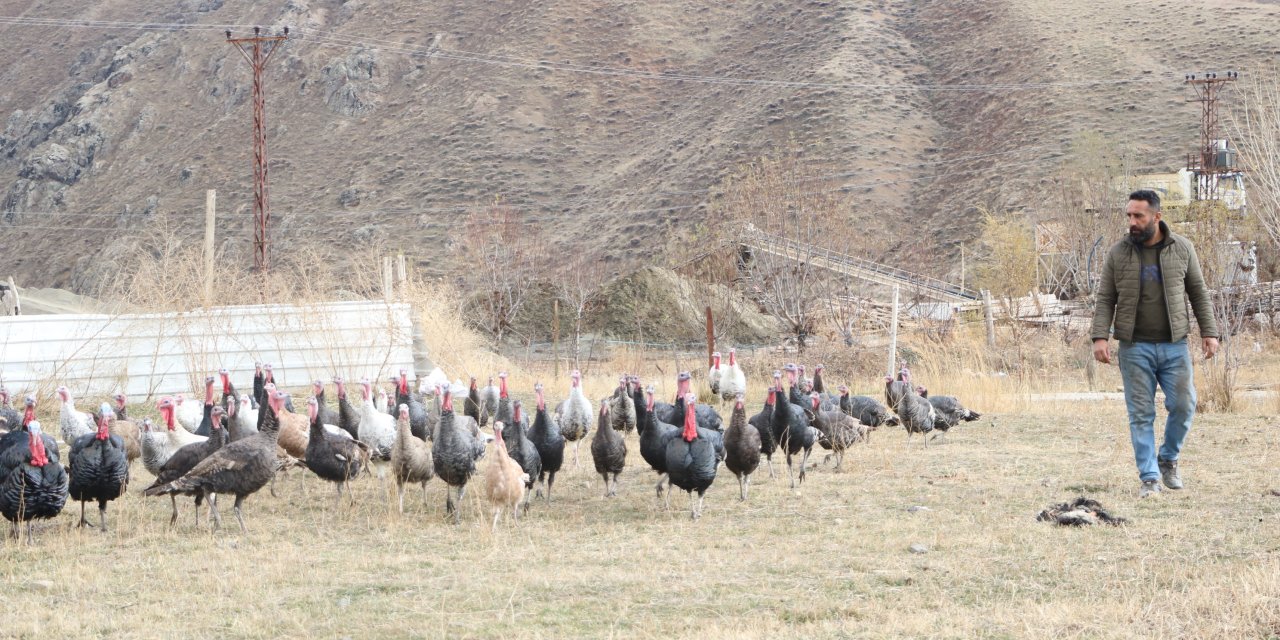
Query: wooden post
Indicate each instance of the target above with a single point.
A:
(990, 316)
(402, 274)
(893, 333)
(386, 278)
(210, 209)
(1035, 299)
(711, 337)
(555, 338)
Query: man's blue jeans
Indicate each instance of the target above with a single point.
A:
(1142, 366)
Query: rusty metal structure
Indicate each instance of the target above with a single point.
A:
(1215, 163)
(258, 50)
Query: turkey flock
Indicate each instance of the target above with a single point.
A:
(235, 444)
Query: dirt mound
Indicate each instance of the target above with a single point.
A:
(657, 305)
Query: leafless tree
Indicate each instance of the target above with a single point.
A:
(788, 217)
(1255, 125)
(499, 261)
(578, 282)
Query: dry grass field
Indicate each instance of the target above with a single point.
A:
(830, 560)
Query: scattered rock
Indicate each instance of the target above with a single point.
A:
(1275, 492)
(917, 508)
(918, 548)
(41, 585)
(344, 602)
(350, 197)
(1083, 511)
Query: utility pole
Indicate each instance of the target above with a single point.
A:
(210, 209)
(1215, 158)
(257, 50)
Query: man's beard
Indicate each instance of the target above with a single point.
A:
(1140, 236)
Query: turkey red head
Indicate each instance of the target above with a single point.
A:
(208, 390)
(648, 397)
(121, 400)
(497, 435)
(921, 391)
(844, 391)
(165, 406)
(382, 396)
(732, 357)
(622, 382)
(403, 412)
(366, 392)
(64, 394)
(777, 378)
(790, 369)
(818, 369)
(473, 386)
(502, 384)
(104, 421)
(517, 412)
(257, 369)
(715, 360)
(815, 400)
(542, 402)
(904, 374)
(769, 397)
(267, 374)
(340, 384)
(233, 407)
(29, 411)
(39, 457)
(447, 403)
(276, 400)
(403, 384)
(146, 425)
(226, 380)
(313, 409)
(737, 401)
(317, 388)
(683, 384)
(690, 418)
(575, 378)
(215, 417)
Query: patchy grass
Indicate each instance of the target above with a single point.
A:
(828, 561)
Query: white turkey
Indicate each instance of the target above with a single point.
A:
(189, 412)
(574, 414)
(732, 380)
(72, 423)
(377, 428)
(714, 374)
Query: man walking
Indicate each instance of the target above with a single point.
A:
(1147, 280)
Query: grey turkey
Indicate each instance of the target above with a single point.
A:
(915, 412)
(488, 401)
(654, 436)
(99, 468)
(520, 448)
(205, 421)
(763, 423)
(471, 407)
(184, 460)
(741, 447)
(866, 410)
(330, 456)
(948, 411)
(794, 434)
(240, 468)
(453, 455)
(502, 404)
(327, 414)
(10, 419)
(674, 413)
(622, 407)
(348, 416)
(411, 461)
(419, 417)
(35, 488)
(546, 438)
(574, 414)
(839, 431)
(692, 458)
(229, 394)
(608, 450)
(898, 388)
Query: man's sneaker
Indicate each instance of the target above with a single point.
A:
(1169, 473)
(1149, 488)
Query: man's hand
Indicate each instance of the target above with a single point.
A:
(1210, 347)
(1102, 350)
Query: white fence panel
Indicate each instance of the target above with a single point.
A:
(155, 354)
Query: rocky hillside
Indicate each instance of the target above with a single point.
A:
(605, 124)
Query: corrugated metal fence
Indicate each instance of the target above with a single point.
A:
(153, 354)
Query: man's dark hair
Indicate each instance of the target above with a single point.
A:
(1148, 196)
